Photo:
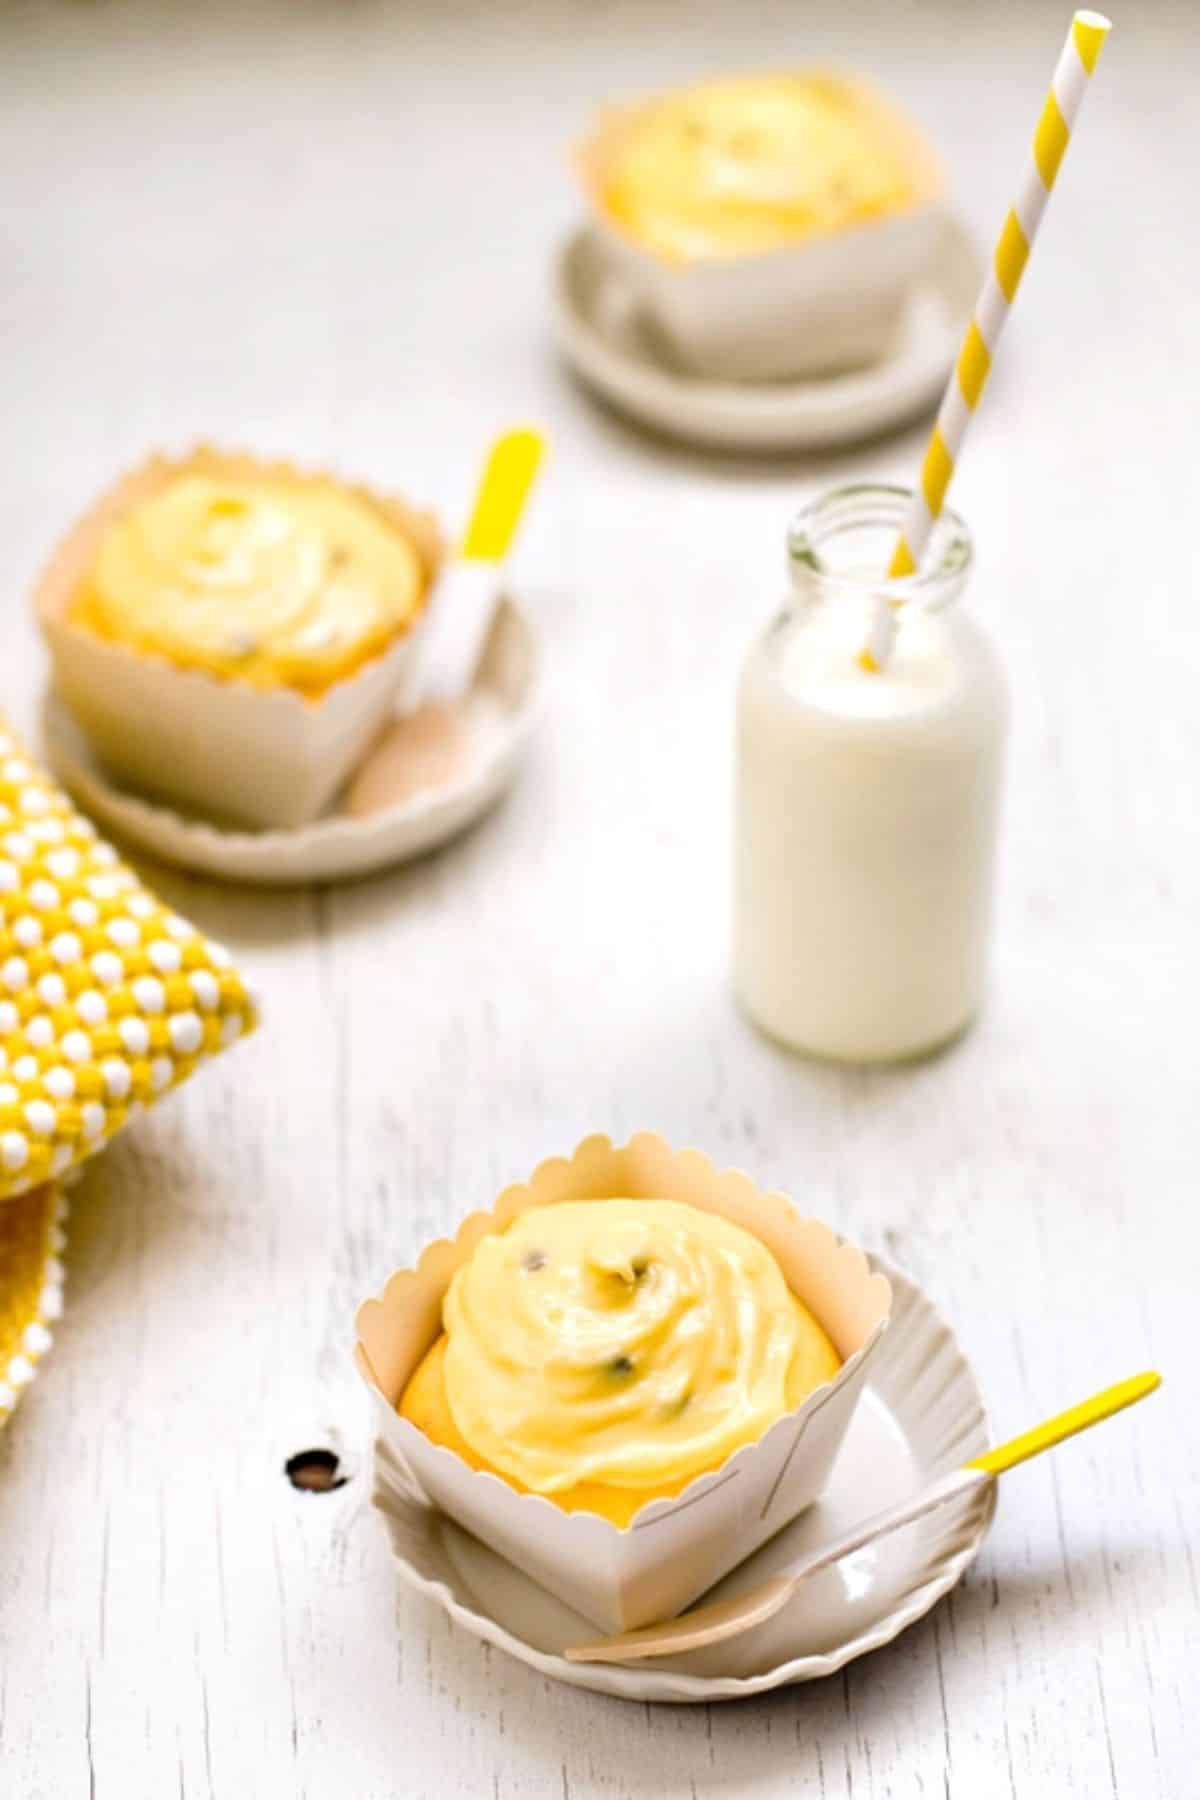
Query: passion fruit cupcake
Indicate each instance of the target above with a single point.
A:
(770, 222)
(231, 633)
(606, 1352)
(628, 1375)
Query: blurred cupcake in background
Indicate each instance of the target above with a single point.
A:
(770, 225)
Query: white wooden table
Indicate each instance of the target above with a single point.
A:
(324, 230)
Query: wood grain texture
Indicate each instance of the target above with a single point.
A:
(324, 230)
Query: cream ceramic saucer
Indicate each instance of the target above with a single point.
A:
(921, 1414)
(498, 716)
(614, 352)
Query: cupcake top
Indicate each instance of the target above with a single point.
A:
(275, 581)
(749, 163)
(630, 1343)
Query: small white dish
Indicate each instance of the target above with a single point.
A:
(607, 338)
(498, 714)
(921, 1414)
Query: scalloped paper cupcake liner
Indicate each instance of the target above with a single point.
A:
(32, 1240)
(259, 757)
(672, 1549)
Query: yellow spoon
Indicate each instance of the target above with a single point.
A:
(728, 1618)
(469, 588)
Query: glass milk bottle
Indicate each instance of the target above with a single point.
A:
(866, 802)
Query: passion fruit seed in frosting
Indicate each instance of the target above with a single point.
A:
(272, 582)
(627, 1343)
(747, 163)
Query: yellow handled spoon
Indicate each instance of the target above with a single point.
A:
(424, 748)
(469, 587)
(706, 1625)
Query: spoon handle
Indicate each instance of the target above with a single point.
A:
(503, 487)
(469, 587)
(892, 1518)
(1041, 1437)
(994, 1462)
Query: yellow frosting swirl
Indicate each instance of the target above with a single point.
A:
(618, 1345)
(751, 162)
(274, 583)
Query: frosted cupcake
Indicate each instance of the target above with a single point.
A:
(604, 1353)
(624, 1395)
(230, 634)
(771, 222)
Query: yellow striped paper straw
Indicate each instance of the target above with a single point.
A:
(1080, 53)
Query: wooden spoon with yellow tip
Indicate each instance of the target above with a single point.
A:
(706, 1625)
(427, 747)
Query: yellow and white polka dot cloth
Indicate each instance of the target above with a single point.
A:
(107, 998)
(32, 1240)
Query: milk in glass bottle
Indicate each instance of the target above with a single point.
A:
(867, 800)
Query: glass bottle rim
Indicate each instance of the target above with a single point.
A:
(883, 506)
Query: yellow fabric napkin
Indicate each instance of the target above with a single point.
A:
(31, 1276)
(107, 998)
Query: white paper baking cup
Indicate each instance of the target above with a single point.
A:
(816, 308)
(252, 756)
(672, 1549)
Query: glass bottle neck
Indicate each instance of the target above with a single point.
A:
(839, 548)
